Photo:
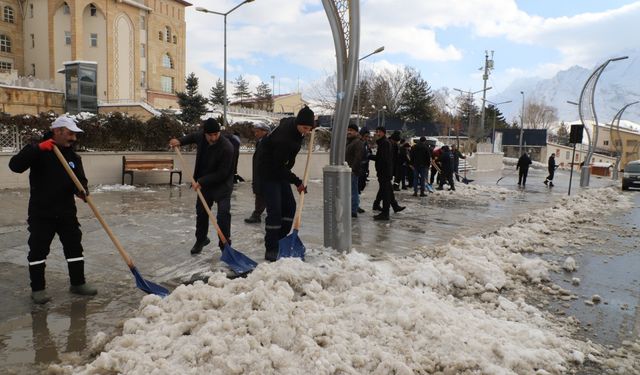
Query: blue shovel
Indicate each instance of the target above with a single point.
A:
(238, 262)
(142, 284)
(291, 245)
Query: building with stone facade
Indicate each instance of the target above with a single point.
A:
(139, 45)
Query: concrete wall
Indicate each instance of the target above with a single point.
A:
(106, 168)
(17, 100)
(485, 161)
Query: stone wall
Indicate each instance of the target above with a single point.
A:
(21, 100)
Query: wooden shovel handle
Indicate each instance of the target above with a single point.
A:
(202, 200)
(305, 178)
(113, 238)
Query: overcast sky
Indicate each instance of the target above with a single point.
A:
(446, 41)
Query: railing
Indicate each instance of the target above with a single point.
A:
(10, 140)
(32, 83)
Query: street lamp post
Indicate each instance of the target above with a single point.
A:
(521, 125)
(471, 94)
(378, 50)
(205, 10)
(384, 108)
(493, 127)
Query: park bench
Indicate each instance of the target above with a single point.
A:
(137, 164)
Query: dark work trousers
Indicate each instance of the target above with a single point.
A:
(447, 178)
(385, 192)
(522, 176)
(281, 207)
(434, 172)
(419, 177)
(380, 197)
(551, 173)
(259, 206)
(42, 231)
(223, 217)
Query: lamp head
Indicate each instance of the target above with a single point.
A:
(379, 49)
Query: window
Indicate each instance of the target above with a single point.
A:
(606, 143)
(33, 41)
(93, 40)
(167, 32)
(8, 14)
(4, 65)
(175, 39)
(5, 44)
(143, 23)
(166, 84)
(93, 10)
(66, 9)
(143, 79)
(166, 61)
(143, 50)
(33, 70)
(67, 38)
(160, 35)
(30, 10)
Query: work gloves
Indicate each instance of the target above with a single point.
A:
(46, 145)
(300, 187)
(82, 195)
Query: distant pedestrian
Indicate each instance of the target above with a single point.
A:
(523, 168)
(420, 160)
(259, 131)
(277, 157)
(52, 208)
(364, 168)
(384, 170)
(457, 155)
(551, 167)
(213, 174)
(234, 138)
(446, 165)
(353, 157)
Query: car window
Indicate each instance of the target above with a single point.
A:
(632, 168)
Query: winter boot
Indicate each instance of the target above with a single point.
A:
(253, 219)
(360, 210)
(399, 209)
(381, 216)
(40, 297)
(197, 247)
(83, 290)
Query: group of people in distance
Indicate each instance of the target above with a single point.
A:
(523, 169)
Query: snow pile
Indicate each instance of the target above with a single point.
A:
(118, 188)
(459, 309)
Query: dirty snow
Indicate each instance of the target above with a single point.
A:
(457, 309)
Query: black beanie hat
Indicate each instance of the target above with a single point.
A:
(364, 131)
(210, 125)
(305, 117)
(353, 126)
(395, 136)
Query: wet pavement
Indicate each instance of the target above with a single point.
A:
(155, 224)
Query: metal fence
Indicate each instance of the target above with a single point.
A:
(10, 139)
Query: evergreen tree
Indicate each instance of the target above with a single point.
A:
(241, 89)
(264, 97)
(416, 101)
(563, 134)
(216, 95)
(191, 102)
(469, 114)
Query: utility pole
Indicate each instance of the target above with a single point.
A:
(488, 67)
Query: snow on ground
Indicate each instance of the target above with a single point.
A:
(118, 187)
(455, 309)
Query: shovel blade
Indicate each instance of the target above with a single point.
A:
(148, 286)
(430, 188)
(466, 180)
(291, 246)
(238, 262)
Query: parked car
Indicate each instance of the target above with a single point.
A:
(631, 175)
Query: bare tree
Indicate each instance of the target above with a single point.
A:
(538, 115)
(323, 92)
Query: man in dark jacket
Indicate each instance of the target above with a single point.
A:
(420, 160)
(457, 155)
(364, 169)
(523, 168)
(551, 167)
(277, 156)
(52, 208)
(384, 169)
(353, 157)
(259, 131)
(446, 164)
(213, 173)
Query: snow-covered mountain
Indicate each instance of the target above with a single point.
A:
(618, 85)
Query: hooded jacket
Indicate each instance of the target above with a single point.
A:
(51, 189)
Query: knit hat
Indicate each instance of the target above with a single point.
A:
(305, 117)
(210, 125)
(395, 136)
(353, 127)
(364, 131)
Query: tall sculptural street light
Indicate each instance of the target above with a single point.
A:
(521, 125)
(205, 10)
(493, 127)
(378, 50)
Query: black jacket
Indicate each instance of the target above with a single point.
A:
(214, 165)
(52, 190)
(278, 153)
(446, 161)
(552, 164)
(524, 162)
(384, 159)
(255, 176)
(420, 155)
(354, 155)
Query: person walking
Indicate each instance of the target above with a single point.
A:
(420, 159)
(259, 131)
(457, 155)
(364, 164)
(277, 157)
(353, 157)
(551, 167)
(446, 164)
(384, 170)
(52, 208)
(523, 169)
(213, 174)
